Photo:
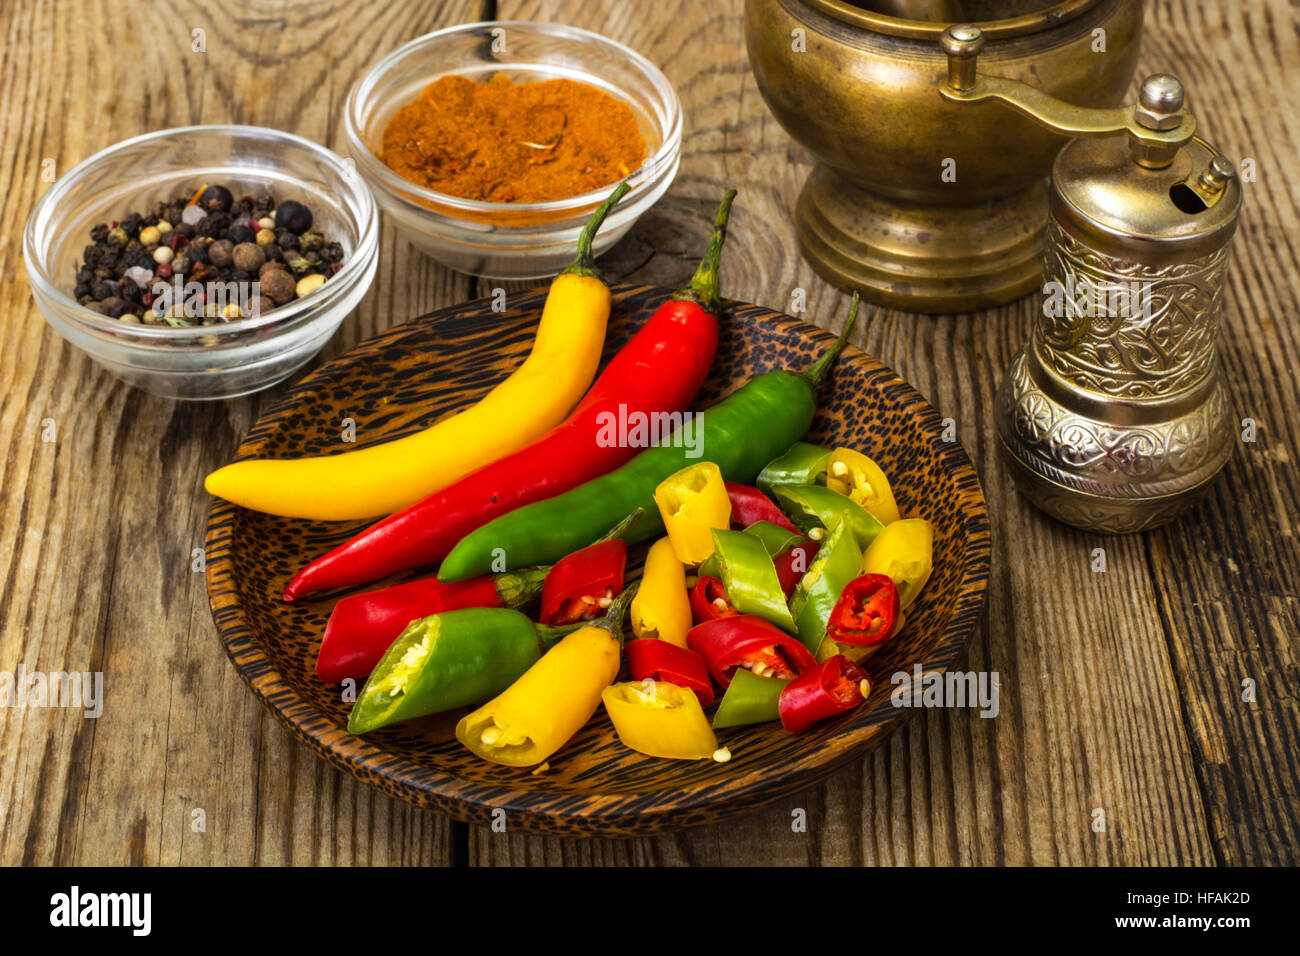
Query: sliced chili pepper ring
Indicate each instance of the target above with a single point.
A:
(866, 611)
(835, 686)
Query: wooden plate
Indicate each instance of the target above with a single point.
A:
(411, 375)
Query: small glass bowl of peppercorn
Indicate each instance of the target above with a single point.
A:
(203, 262)
(490, 144)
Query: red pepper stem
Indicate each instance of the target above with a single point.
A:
(520, 588)
(584, 263)
(613, 619)
(703, 287)
(819, 367)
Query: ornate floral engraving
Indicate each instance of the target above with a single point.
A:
(1166, 349)
(1128, 462)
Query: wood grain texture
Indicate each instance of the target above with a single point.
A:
(97, 528)
(1120, 690)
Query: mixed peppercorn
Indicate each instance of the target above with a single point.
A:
(139, 269)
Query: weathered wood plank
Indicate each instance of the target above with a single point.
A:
(98, 526)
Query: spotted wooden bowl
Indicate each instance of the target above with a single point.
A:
(411, 375)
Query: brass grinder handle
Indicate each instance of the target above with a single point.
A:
(1157, 125)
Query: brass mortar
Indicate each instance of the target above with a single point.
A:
(876, 214)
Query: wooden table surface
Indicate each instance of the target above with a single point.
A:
(1122, 691)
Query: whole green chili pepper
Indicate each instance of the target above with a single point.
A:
(838, 561)
(813, 506)
(749, 577)
(742, 432)
(802, 464)
(749, 699)
(448, 660)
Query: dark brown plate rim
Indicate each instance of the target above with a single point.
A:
(591, 814)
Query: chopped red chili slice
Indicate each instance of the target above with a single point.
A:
(659, 660)
(709, 600)
(833, 687)
(865, 612)
(580, 586)
(749, 505)
(792, 564)
(749, 641)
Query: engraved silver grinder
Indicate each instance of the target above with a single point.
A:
(1115, 415)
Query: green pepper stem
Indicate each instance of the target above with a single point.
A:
(703, 287)
(548, 635)
(818, 368)
(520, 588)
(613, 619)
(584, 263)
(623, 526)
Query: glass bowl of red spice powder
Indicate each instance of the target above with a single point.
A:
(522, 129)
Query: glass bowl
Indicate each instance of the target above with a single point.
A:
(512, 240)
(211, 361)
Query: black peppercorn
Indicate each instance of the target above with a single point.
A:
(100, 232)
(293, 216)
(216, 199)
(240, 232)
(286, 239)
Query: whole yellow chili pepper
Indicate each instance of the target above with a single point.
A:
(660, 720)
(904, 551)
(387, 477)
(662, 606)
(693, 502)
(537, 714)
(856, 476)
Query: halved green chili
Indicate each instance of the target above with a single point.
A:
(447, 660)
(838, 562)
(813, 506)
(750, 579)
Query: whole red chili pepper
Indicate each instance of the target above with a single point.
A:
(749, 641)
(659, 660)
(583, 584)
(835, 686)
(362, 627)
(748, 505)
(865, 612)
(793, 564)
(709, 600)
(660, 369)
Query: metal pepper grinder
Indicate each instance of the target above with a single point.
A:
(1115, 416)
